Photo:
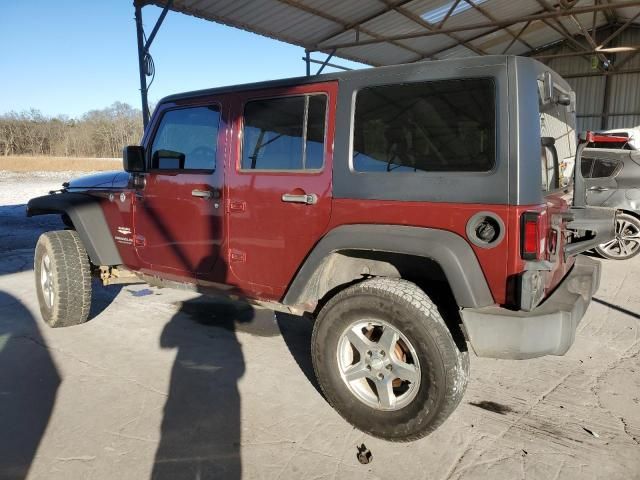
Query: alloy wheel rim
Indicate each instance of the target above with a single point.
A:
(626, 241)
(46, 280)
(379, 365)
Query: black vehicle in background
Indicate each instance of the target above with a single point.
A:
(612, 176)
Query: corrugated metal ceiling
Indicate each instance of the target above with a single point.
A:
(375, 31)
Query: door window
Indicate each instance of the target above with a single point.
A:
(284, 133)
(186, 139)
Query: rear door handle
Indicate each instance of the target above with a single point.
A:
(207, 194)
(598, 189)
(307, 199)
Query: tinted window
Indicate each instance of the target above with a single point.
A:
(186, 139)
(434, 126)
(586, 167)
(284, 133)
(604, 168)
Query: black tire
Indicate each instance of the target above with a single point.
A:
(68, 300)
(620, 248)
(443, 372)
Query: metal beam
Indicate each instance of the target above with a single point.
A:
(307, 59)
(493, 19)
(143, 78)
(320, 62)
(484, 25)
(156, 27)
(515, 39)
(423, 23)
(360, 21)
(319, 13)
(620, 30)
(448, 14)
(326, 62)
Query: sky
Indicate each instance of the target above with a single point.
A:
(71, 56)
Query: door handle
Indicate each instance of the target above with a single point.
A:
(598, 189)
(207, 194)
(307, 199)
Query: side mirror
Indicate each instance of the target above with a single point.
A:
(133, 159)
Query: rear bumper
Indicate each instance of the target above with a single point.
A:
(549, 329)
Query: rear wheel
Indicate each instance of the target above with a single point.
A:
(626, 244)
(63, 278)
(386, 361)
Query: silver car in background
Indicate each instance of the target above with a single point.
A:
(612, 177)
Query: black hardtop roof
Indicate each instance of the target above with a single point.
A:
(408, 68)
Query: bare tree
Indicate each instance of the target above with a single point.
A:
(98, 133)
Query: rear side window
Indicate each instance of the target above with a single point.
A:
(284, 133)
(604, 168)
(186, 139)
(436, 126)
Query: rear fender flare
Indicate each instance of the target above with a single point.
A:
(450, 251)
(88, 220)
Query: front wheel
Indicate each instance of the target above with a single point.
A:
(63, 278)
(626, 244)
(386, 361)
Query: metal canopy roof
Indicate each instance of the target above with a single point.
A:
(385, 32)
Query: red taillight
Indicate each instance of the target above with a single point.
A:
(530, 242)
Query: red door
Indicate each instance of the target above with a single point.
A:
(279, 183)
(178, 216)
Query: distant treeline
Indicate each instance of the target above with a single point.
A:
(98, 133)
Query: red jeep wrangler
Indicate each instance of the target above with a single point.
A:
(372, 200)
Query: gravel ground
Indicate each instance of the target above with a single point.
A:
(168, 384)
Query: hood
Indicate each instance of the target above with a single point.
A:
(115, 179)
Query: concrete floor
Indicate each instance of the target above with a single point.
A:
(168, 384)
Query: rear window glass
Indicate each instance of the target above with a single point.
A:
(437, 126)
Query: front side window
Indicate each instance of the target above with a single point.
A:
(440, 126)
(186, 139)
(284, 133)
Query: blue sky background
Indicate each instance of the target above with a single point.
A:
(71, 56)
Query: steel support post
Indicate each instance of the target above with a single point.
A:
(143, 77)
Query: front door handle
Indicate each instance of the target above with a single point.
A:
(598, 189)
(207, 194)
(307, 199)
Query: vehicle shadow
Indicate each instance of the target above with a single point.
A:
(29, 382)
(296, 332)
(201, 428)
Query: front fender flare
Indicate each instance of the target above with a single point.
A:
(88, 219)
(452, 252)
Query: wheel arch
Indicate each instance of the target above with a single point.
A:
(85, 212)
(352, 252)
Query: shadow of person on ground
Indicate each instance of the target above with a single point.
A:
(201, 431)
(29, 381)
